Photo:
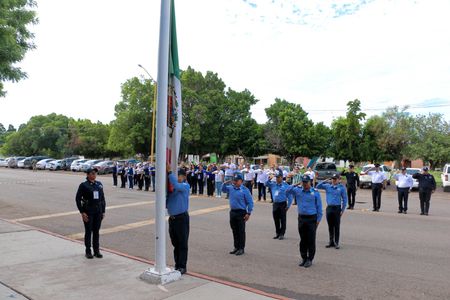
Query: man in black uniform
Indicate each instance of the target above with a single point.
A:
(427, 186)
(123, 176)
(352, 185)
(146, 177)
(91, 203)
(115, 171)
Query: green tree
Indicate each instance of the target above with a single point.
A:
(432, 140)
(371, 148)
(347, 133)
(15, 38)
(89, 139)
(131, 131)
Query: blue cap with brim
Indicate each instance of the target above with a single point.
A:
(306, 178)
(238, 177)
(425, 168)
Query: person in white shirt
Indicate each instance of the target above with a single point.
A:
(378, 182)
(249, 176)
(404, 185)
(311, 175)
(263, 177)
(219, 176)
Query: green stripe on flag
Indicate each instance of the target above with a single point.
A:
(174, 67)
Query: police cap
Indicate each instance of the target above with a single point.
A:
(238, 177)
(181, 172)
(306, 178)
(89, 170)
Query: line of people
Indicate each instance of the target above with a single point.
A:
(140, 175)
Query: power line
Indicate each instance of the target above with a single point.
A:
(377, 109)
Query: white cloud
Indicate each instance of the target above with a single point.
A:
(384, 53)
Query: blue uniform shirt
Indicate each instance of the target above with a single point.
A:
(240, 198)
(336, 194)
(308, 202)
(178, 201)
(279, 192)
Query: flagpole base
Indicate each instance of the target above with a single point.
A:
(152, 276)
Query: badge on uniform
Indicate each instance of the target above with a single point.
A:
(96, 195)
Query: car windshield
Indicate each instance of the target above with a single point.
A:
(366, 169)
(412, 172)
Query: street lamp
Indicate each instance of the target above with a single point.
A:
(152, 152)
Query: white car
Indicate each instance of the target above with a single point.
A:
(12, 162)
(76, 164)
(3, 162)
(412, 171)
(89, 164)
(41, 165)
(54, 165)
(366, 180)
(21, 163)
(445, 177)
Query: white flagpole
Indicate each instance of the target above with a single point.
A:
(161, 138)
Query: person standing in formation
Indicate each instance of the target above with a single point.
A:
(249, 176)
(219, 178)
(427, 186)
(352, 185)
(378, 183)
(405, 183)
(263, 177)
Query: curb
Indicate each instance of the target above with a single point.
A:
(150, 262)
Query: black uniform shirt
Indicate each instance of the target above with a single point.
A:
(90, 197)
(426, 181)
(352, 178)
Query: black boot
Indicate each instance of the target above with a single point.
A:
(98, 254)
(89, 254)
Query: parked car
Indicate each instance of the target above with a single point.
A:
(66, 163)
(3, 162)
(76, 164)
(54, 165)
(412, 171)
(42, 164)
(325, 170)
(445, 176)
(28, 162)
(104, 167)
(88, 164)
(20, 163)
(366, 180)
(13, 161)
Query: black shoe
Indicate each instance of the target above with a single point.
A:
(426, 214)
(378, 210)
(404, 212)
(302, 264)
(240, 252)
(374, 209)
(337, 246)
(400, 211)
(182, 270)
(422, 214)
(276, 237)
(308, 263)
(330, 245)
(281, 237)
(89, 255)
(98, 254)
(234, 251)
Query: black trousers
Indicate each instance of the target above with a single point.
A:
(92, 231)
(249, 184)
(194, 185)
(179, 236)
(425, 197)
(334, 223)
(261, 191)
(201, 186)
(114, 179)
(210, 187)
(279, 217)
(377, 188)
(307, 226)
(237, 224)
(351, 195)
(140, 181)
(147, 182)
(403, 198)
(123, 181)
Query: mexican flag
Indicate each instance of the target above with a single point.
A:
(174, 116)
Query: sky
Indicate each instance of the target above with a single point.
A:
(320, 54)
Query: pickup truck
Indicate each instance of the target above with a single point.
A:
(445, 176)
(325, 170)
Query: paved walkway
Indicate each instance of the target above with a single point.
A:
(37, 265)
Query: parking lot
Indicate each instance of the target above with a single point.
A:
(383, 255)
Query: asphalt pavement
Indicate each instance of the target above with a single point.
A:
(383, 255)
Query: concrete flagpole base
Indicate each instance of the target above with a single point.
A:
(152, 276)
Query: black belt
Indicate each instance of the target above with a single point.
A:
(334, 206)
(179, 215)
(308, 216)
(378, 183)
(238, 210)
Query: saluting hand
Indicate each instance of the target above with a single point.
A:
(168, 167)
(85, 217)
(246, 217)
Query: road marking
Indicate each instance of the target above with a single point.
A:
(135, 225)
(76, 212)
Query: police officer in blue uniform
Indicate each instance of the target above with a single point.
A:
(177, 206)
(241, 207)
(352, 185)
(427, 186)
(309, 206)
(90, 200)
(281, 203)
(336, 204)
